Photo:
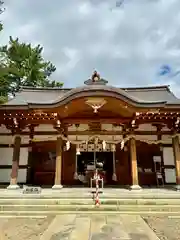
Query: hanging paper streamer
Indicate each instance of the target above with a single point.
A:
(75, 173)
(122, 144)
(114, 176)
(68, 145)
(78, 150)
(104, 145)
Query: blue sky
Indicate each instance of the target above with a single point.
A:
(127, 45)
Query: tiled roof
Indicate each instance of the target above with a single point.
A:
(44, 96)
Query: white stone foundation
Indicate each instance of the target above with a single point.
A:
(13, 187)
(177, 187)
(135, 187)
(57, 187)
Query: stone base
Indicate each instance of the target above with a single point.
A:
(177, 187)
(13, 187)
(57, 187)
(135, 187)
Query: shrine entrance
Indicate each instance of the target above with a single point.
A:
(87, 162)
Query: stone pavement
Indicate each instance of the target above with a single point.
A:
(86, 193)
(98, 227)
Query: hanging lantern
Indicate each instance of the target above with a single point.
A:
(113, 147)
(68, 145)
(104, 145)
(78, 150)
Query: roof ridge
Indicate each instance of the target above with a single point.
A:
(124, 88)
(148, 87)
(43, 88)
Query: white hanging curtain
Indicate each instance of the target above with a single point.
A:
(114, 176)
(77, 153)
(75, 173)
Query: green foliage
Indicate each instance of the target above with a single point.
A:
(1, 10)
(23, 65)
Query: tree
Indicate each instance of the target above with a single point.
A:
(23, 65)
(3, 83)
(1, 10)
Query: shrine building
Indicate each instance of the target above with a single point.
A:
(55, 137)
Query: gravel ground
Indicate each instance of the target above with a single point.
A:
(24, 228)
(166, 228)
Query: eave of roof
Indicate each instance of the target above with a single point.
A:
(98, 90)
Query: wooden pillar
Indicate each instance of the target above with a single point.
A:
(58, 173)
(176, 150)
(15, 163)
(134, 169)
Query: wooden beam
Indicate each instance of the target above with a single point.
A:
(92, 133)
(96, 119)
(176, 149)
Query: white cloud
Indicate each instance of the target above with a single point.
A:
(127, 44)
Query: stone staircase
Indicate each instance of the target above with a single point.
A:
(28, 206)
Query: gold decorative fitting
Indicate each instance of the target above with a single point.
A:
(15, 122)
(95, 77)
(96, 103)
(133, 123)
(58, 123)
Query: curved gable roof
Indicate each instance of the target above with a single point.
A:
(29, 97)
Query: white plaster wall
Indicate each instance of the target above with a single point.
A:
(7, 153)
(10, 139)
(22, 174)
(23, 156)
(44, 137)
(165, 128)
(6, 159)
(24, 139)
(6, 156)
(102, 137)
(6, 173)
(146, 137)
(6, 140)
(170, 176)
(167, 139)
(45, 127)
(168, 158)
(146, 127)
(109, 127)
(3, 129)
(82, 127)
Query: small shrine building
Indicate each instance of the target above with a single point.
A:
(57, 136)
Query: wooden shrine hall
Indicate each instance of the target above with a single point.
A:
(57, 137)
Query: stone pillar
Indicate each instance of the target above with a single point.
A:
(58, 173)
(134, 169)
(15, 163)
(176, 150)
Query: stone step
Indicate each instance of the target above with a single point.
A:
(90, 201)
(59, 195)
(93, 211)
(90, 207)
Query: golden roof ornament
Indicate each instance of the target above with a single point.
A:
(95, 76)
(96, 79)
